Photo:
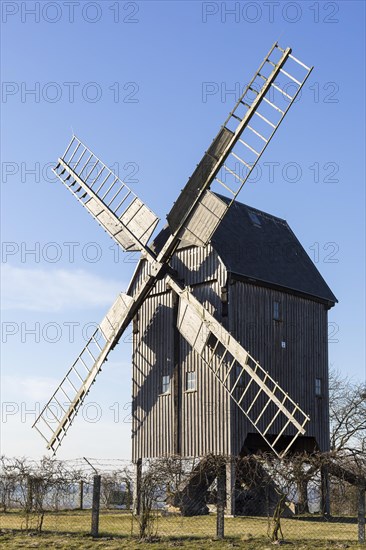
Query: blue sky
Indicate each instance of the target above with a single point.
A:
(147, 85)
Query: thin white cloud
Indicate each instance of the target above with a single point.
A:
(54, 290)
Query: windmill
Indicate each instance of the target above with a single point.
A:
(194, 218)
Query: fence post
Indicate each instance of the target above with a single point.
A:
(220, 505)
(361, 513)
(81, 494)
(325, 491)
(230, 487)
(95, 508)
(302, 489)
(137, 487)
(29, 501)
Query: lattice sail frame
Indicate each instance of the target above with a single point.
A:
(79, 378)
(234, 153)
(193, 218)
(231, 364)
(107, 198)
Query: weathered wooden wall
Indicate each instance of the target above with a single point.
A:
(303, 329)
(203, 413)
(208, 422)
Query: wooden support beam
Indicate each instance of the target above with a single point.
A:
(325, 491)
(95, 506)
(137, 487)
(220, 505)
(230, 487)
(81, 494)
(361, 513)
(176, 380)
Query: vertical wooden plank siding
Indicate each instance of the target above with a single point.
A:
(304, 329)
(209, 421)
(204, 411)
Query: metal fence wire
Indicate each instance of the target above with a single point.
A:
(305, 497)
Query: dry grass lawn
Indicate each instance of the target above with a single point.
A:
(70, 530)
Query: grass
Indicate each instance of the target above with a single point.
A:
(70, 530)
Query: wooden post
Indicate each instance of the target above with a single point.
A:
(361, 513)
(176, 379)
(137, 487)
(29, 502)
(220, 505)
(128, 493)
(95, 508)
(325, 491)
(81, 494)
(302, 489)
(230, 487)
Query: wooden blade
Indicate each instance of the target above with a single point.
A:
(106, 197)
(237, 148)
(59, 412)
(251, 387)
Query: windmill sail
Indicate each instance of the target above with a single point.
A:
(58, 414)
(130, 223)
(106, 197)
(248, 384)
(239, 145)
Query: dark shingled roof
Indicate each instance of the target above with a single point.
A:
(262, 249)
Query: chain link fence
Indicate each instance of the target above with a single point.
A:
(305, 497)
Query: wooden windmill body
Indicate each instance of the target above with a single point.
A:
(256, 279)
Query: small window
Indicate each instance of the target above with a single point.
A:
(190, 381)
(165, 384)
(224, 302)
(254, 218)
(277, 311)
(135, 325)
(318, 387)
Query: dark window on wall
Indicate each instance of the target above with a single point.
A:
(318, 387)
(191, 381)
(254, 218)
(135, 324)
(277, 310)
(224, 302)
(165, 384)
